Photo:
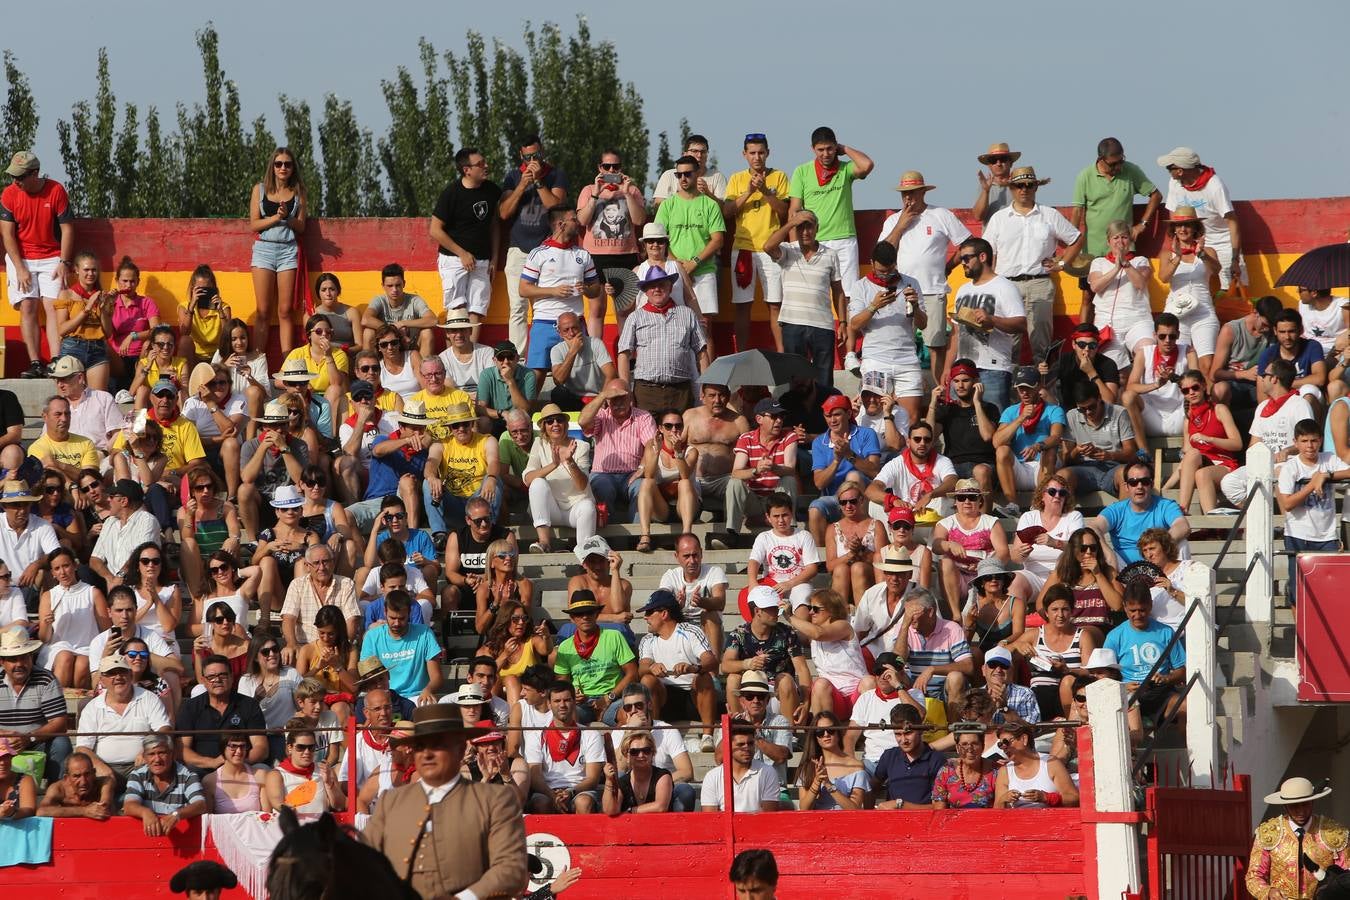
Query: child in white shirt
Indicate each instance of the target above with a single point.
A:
(786, 553)
(1303, 490)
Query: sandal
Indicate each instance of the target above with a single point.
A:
(644, 544)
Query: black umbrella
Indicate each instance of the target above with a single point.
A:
(1320, 269)
(756, 368)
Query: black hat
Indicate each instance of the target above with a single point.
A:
(887, 659)
(125, 487)
(504, 347)
(662, 599)
(769, 405)
(203, 875)
(361, 386)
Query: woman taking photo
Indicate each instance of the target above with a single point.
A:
(159, 606)
(667, 473)
(1187, 270)
(249, 373)
(557, 477)
(84, 319)
(966, 782)
(1096, 594)
(132, 317)
(1046, 527)
(645, 787)
(1212, 441)
(70, 615)
(276, 215)
(222, 638)
(516, 643)
(272, 685)
(840, 673)
(1030, 780)
(159, 362)
(1056, 650)
(1119, 306)
(501, 584)
(329, 363)
(399, 365)
(851, 544)
(225, 582)
(236, 786)
(830, 777)
(331, 659)
(204, 320)
(343, 319)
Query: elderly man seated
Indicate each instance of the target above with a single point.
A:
(935, 652)
(620, 432)
(32, 704)
(110, 722)
(162, 792)
(581, 365)
(676, 663)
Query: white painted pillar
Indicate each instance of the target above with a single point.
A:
(1202, 737)
(1259, 533)
(1119, 868)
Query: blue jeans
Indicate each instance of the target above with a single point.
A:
(816, 344)
(684, 798)
(606, 487)
(451, 508)
(1299, 545)
(997, 387)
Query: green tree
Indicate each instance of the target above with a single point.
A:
(418, 156)
(663, 158)
(351, 173)
(300, 139)
(493, 107)
(88, 142)
(20, 118)
(158, 190)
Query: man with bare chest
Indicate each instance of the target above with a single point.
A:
(713, 429)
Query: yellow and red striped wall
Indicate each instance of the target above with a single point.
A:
(1274, 233)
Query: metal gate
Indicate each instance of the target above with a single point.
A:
(1199, 840)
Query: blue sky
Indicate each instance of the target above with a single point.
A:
(1257, 88)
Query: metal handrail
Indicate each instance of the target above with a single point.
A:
(1242, 514)
(1167, 718)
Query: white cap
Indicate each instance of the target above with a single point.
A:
(594, 545)
(764, 597)
(1102, 658)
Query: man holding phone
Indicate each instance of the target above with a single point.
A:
(529, 192)
(1100, 441)
(884, 310)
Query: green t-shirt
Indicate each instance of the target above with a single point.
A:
(599, 674)
(832, 204)
(492, 391)
(691, 224)
(1106, 199)
(512, 457)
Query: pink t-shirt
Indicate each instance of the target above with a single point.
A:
(611, 232)
(129, 317)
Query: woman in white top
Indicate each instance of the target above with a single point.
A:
(1187, 269)
(1047, 526)
(399, 366)
(273, 685)
(1119, 304)
(558, 479)
(305, 784)
(249, 373)
(1156, 545)
(1030, 780)
(70, 616)
(841, 676)
(158, 606)
(224, 581)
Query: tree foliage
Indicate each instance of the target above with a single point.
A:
(122, 161)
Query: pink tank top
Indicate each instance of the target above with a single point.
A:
(976, 539)
(227, 804)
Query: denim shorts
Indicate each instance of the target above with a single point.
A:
(91, 353)
(277, 256)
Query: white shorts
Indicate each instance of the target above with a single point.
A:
(1225, 255)
(460, 288)
(705, 289)
(1126, 338)
(1026, 474)
(1234, 486)
(1312, 392)
(847, 251)
(44, 283)
(1160, 421)
(906, 381)
(766, 272)
(1200, 329)
(1036, 582)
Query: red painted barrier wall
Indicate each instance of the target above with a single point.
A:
(1323, 604)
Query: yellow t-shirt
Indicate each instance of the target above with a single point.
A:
(756, 220)
(206, 327)
(438, 407)
(177, 371)
(319, 383)
(76, 450)
(386, 400)
(182, 444)
(464, 465)
(92, 329)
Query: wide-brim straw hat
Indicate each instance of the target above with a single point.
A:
(415, 413)
(16, 490)
(16, 642)
(999, 149)
(913, 181)
(1296, 790)
(1026, 174)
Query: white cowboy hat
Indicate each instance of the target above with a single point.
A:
(16, 642)
(1296, 790)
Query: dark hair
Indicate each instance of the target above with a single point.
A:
(1139, 592)
(1058, 592)
(980, 247)
(758, 139)
(396, 552)
(529, 140)
(1306, 427)
(806, 770)
(823, 135)
(462, 156)
(387, 330)
(904, 714)
(240, 323)
(1283, 371)
(922, 423)
(330, 616)
(393, 270)
(558, 686)
(756, 865)
(224, 556)
(1146, 465)
(611, 151)
(686, 161)
(483, 659)
(1267, 308)
(126, 265)
(399, 601)
(327, 276)
(556, 213)
(133, 576)
(884, 253)
(778, 500)
(392, 570)
(60, 551)
(122, 590)
(1069, 570)
(391, 501)
(742, 728)
(976, 705)
(260, 638)
(314, 321)
(1083, 391)
(156, 332)
(539, 677)
(204, 273)
(221, 607)
(1109, 146)
(216, 659)
(695, 139)
(1290, 315)
(1166, 320)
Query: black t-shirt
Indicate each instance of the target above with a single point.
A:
(469, 215)
(1070, 376)
(473, 552)
(11, 413)
(197, 714)
(961, 439)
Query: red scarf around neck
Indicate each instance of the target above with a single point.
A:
(563, 744)
(1111, 257)
(550, 242)
(374, 744)
(372, 424)
(302, 771)
(1206, 173)
(872, 277)
(585, 646)
(823, 175)
(1199, 414)
(81, 291)
(1274, 403)
(922, 473)
(1170, 360)
(659, 310)
(888, 697)
(1037, 410)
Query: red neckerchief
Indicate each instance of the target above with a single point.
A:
(374, 744)
(659, 310)
(1037, 410)
(1170, 360)
(823, 175)
(1199, 413)
(882, 696)
(397, 435)
(403, 774)
(872, 277)
(371, 424)
(1206, 173)
(550, 242)
(563, 744)
(80, 291)
(1188, 249)
(585, 647)
(1274, 403)
(922, 473)
(303, 772)
(159, 421)
(1111, 257)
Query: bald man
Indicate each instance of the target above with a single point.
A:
(581, 365)
(621, 432)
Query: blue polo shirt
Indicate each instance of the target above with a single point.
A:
(905, 780)
(1053, 415)
(1127, 524)
(864, 443)
(418, 541)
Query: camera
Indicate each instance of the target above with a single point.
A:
(611, 178)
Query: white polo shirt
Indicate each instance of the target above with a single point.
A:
(685, 645)
(107, 730)
(19, 551)
(551, 265)
(888, 337)
(923, 247)
(760, 783)
(709, 578)
(561, 773)
(1021, 241)
(195, 411)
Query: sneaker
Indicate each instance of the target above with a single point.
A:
(1222, 511)
(722, 540)
(705, 744)
(1008, 510)
(852, 363)
(124, 396)
(535, 547)
(35, 370)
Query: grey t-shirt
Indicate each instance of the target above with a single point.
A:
(586, 377)
(1000, 195)
(1114, 430)
(413, 307)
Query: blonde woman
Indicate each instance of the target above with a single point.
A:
(277, 216)
(501, 583)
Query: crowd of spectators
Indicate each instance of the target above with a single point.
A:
(363, 492)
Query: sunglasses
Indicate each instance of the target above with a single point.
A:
(305, 748)
(1086, 345)
(507, 554)
(655, 241)
(1056, 492)
(322, 332)
(1024, 186)
(610, 167)
(217, 570)
(850, 501)
(1193, 389)
(1088, 548)
(52, 489)
(520, 618)
(1080, 698)
(367, 368)
(998, 664)
(1004, 743)
(1164, 336)
(152, 561)
(641, 751)
(689, 174)
(396, 517)
(221, 619)
(634, 707)
(162, 345)
(917, 439)
(86, 488)
(388, 345)
(555, 420)
(967, 257)
(902, 526)
(480, 521)
(995, 160)
(269, 651)
(136, 654)
(815, 609)
(283, 164)
(672, 426)
(204, 486)
(967, 498)
(1137, 482)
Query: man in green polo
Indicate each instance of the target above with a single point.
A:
(1104, 192)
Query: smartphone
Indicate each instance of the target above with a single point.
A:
(611, 178)
(115, 631)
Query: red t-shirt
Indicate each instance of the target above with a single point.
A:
(750, 445)
(38, 217)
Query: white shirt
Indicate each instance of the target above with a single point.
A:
(561, 773)
(888, 337)
(871, 614)
(464, 375)
(1022, 240)
(878, 423)
(1120, 304)
(685, 645)
(154, 642)
(95, 416)
(998, 297)
(416, 584)
(368, 760)
(668, 184)
(1211, 204)
(807, 286)
(923, 246)
(12, 608)
(117, 540)
(195, 411)
(549, 267)
(1324, 325)
(871, 709)
(896, 476)
(108, 730)
(1315, 518)
(783, 558)
(1042, 560)
(709, 577)
(384, 427)
(760, 783)
(1277, 431)
(533, 718)
(19, 551)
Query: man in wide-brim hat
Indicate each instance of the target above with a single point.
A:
(444, 834)
(669, 342)
(1274, 869)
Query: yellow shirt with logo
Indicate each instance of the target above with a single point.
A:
(756, 220)
(76, 450)
(464, 465)
(182, 444)
(319, 383)
(438, 408)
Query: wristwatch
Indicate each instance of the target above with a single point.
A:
(611, 697)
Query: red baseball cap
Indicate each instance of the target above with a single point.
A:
(901, 514)
(837, 401)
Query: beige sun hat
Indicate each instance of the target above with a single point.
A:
(1296, 790)
(415, 413)
(458, 412)
(16, 642)
(1000, 149)
(913, 181)
(1026, 174)
(295, 371)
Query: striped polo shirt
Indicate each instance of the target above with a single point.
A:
(619, 446)
(755, 450)
(185, 788)
(40, 701)
(946, 645)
